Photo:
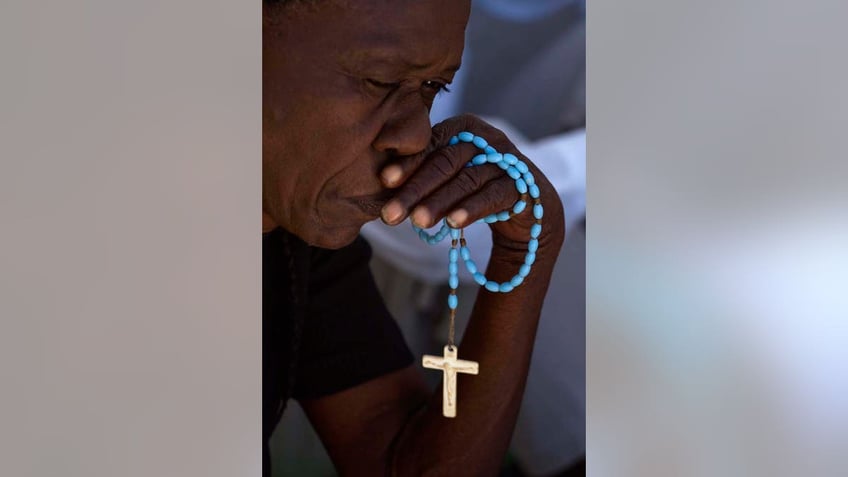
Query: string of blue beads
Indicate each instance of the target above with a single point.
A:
(526, 186)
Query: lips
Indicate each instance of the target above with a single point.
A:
(372, 204)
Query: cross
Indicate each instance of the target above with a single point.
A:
(450, 366)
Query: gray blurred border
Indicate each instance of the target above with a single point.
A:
(717, 235)
(130, 246)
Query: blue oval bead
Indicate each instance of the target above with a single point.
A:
(479, 278)
(478, 159)
(530, 259)
(465, 136)
(522, 167)
(453, 268)
(494, 158)
(510, 159)
(492, 286)
(535, 230)
(538, 211)
(503, 216)
(452, 302)
(521, 186)
(480, 142)
(489, 150)
(453, 141)
(453, 281)
(503, 165)
(529, 179)
(533, 245)
(534, 191)
(471, 266)
(453, 254)
(490, 219)
(513, 173)
(516, 280)
(519, 207)
(506, 287)
(454, 233)
(465, 253)
(524, 270)
(432, 240)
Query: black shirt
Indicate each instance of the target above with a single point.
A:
(324, 325)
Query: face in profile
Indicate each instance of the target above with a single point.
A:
(347, 86)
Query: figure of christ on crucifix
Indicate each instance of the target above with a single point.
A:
(450, 366)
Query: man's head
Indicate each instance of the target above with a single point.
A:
(348, 85)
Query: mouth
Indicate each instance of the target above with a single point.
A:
(372, 204)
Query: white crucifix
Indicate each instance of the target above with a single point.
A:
(450, 366)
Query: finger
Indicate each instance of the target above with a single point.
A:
(469, 181)
(494, 197)
(396, 173)
(438, 169)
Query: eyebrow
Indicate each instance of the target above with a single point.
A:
(371, 56)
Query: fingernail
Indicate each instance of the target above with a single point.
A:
(421, 217)
(392, 211)
(391, 175)
(458, 216)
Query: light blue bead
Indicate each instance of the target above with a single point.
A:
(478, 159)
(422, 234)
(538, 211)
(452, 302)
(492, 286)
(465, 253)
(489, 150)
(503, 165)
(479, 278)
(534, 191)
(513, 173)
(453, 268)
(516, 280)
(529, 179)
(432, 240)
(453, 281)
(521, 186)
(506, 287)
(503, 216)
(524, 270)
(530, 259)
(510, 159)
(490, 219)
(471, 266)
(535, 230)
(453, 255)
(519, 207)
(465, 136)
(453, 141)
(494, 158)
(480, 142)
(522, 167)
(454, 233)
(533, 245)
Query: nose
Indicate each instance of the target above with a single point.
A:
(407, 131)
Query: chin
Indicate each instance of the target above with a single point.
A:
(331, 239)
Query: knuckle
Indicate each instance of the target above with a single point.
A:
(469, 181)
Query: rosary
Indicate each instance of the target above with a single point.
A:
(526, 186)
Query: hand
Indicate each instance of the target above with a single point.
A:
(435, 184)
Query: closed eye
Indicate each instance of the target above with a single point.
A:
(381, 84)
(436, 86)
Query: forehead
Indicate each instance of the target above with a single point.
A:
(418, 31)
